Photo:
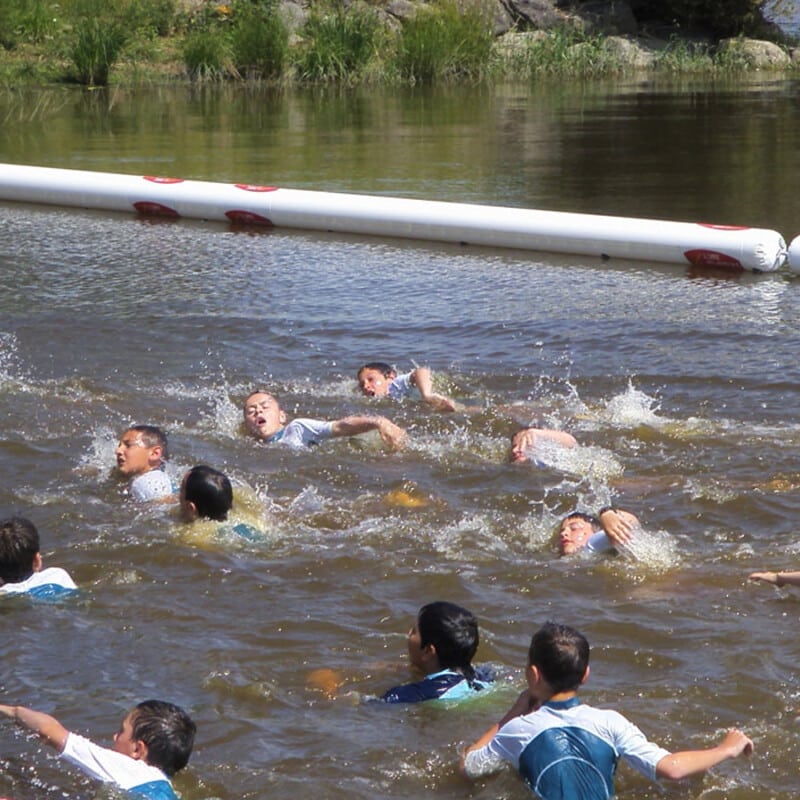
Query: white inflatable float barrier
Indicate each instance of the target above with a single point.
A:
(722, 246)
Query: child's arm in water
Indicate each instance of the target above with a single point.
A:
(392, 435)
(422, 379)
(677, 766)
(524, 441)
(777, 578)
(49, 728)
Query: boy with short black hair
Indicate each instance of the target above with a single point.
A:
(141, 453)
(21, 563)
(206, 493)
(154, 741)
(568, 751)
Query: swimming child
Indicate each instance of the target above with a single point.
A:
(141, 453)
(266, 420)
(206, 493)
(21, 563)
(379, 379)
(441, 646)
(565, 750)
(153, 742)
(611, 528)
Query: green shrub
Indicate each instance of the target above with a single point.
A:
(259, 40)
(206, 54)
(341, 43)
(444, 41)
(97, 45)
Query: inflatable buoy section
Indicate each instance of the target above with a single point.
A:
(729, 247)
(794, 255)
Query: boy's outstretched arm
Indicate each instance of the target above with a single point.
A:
(777, 578)
(392, 435)
(680, 765)
(618, 524)
(421, 378)
(49, 728)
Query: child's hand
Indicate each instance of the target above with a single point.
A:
(736, 743)
(392, 435)
(618, 525)
(766, 577)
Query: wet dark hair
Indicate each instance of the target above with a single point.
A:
(387, 370)
(19, 544)
(453, 631)
(153, 437)
(210, 491)
(561, 654)
(592, 520)
(167, 730)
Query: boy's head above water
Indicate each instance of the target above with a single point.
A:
(159, 733)
(140, 449)
(19, 550)
(374, 378)
(263, 415)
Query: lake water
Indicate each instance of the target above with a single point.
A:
(682, 387)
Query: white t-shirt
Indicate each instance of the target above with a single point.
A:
(152, 485)
(50, 582)
(109, 766)
(303, 433)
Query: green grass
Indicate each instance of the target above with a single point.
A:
(259, 40)
(341, 44)
(444, 41)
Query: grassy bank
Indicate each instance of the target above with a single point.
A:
(94, 42)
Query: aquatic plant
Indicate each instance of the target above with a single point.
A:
(259, 39)
(340, 42)
(445, 40)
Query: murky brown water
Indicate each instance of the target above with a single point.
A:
(682, 388)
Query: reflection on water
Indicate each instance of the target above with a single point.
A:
(680, 389)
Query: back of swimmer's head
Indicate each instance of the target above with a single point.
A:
(206, 493)
(561, 654)
(452, 630)
(167, 731)
(19, 544)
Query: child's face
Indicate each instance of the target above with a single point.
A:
(123, 739)
(262, 415)
(574, 534)
(422, 658)
(134, 456)
(373, 383)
